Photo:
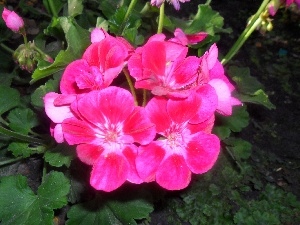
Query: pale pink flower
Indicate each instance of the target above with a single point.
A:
(106, 126)
(12, 20)
(175, 3)
(185, 149)
(57, 108)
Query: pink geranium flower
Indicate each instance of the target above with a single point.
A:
(184, 149)
(212, 73)
(12, 20)
(101, 63)
(188, 39)
(162, 67)
(106, 126)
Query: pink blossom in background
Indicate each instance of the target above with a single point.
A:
(102, 61)
(171, 161)
(188, 39)
(106, 126)
(162, 67)
(175, 3)
(12, 20)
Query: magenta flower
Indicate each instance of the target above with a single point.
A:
(12, 20)
(106, 126)
(102, 61)
(175, 3)
(188, 39)
(212, 73)
(185, 149)
(162, 67)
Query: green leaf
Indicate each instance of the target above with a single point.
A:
(39, 93)
(20, 149)
(123, 210)
(109, 7)
(9, 98)
(78, 40)
(206, 19)
(258, 97)
(250, 89)
(238, 120)
(246, 83)
(19, 205)
(54, 7)
(240, 148)
(61, 155)
(75, 7)
(222, 132)
(22, 120)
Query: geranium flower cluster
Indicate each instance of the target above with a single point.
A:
(274, 5)
(165, 141)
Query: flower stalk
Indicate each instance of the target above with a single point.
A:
(161, 18)
(254, 23)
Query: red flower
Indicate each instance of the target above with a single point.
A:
(186, 148)
(106, 126)
(12, 20)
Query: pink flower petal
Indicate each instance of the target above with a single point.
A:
(56, 113)
(209, 103)
(109, 172)
(173, 173)
(56, 132)
(130, 152)
(148, 160)
(202, 152)
(138, 126)
(112, 104)
(12, 20)
(205, 126)
(157, 112)
(77, 131)
(182, 110)
(98, 34)
(88, 153)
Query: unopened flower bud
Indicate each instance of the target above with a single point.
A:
(12, 20)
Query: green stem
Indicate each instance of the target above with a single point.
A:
(161, 18)
(52, 8)
(144, 97)
(131, 87)
(9, 50)
(255, 22)
(9, 161)
(20, 137)
(128, 13)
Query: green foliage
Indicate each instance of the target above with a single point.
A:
(223, 196)
(77, 39)
(250, 89)
(61, 155)
(11, 94)
(111, 211)
(23, 207)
